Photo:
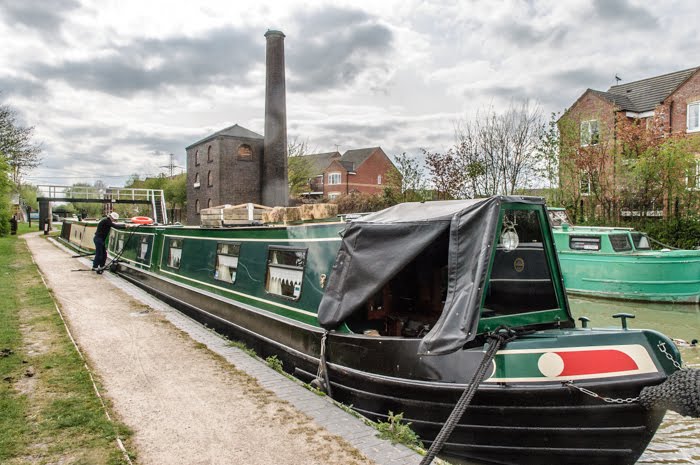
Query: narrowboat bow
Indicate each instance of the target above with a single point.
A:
(397, 306)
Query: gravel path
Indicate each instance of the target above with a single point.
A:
(185, 405)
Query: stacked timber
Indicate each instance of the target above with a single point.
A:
(306, 212)
(232, 215)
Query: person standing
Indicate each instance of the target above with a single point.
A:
(103, 227)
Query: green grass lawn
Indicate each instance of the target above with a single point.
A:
(49, 412)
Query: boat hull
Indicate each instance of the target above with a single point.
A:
(507, 423)
(671, 276)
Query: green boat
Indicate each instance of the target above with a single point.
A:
(619, 263)
(398, 311)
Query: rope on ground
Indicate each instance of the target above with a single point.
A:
(496, 340)
(119, 442)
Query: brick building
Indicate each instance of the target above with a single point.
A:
(356, 171)
(672, 100)
(222, 168)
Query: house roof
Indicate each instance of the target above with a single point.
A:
(231, 131)
(646, 94)
(358, 156)
(320, 161)
(621, 101)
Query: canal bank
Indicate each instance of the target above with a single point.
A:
(191, 397)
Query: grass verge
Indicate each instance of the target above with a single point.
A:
(49, 412)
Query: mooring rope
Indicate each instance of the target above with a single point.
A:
(322, 378)
(496, 340)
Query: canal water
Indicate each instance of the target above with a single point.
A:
(678, 439)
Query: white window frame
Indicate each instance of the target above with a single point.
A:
(332, 177)
(696, 107)
(587, 132)
(333, 195)
(692, 181)
(586, 180)
(379, 179)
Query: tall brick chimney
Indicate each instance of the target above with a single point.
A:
(275, 188)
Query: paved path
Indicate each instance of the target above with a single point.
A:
(185, 405)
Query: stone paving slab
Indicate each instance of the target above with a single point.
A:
(323, 410)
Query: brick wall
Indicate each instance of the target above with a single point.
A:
(365, 179)
(233, 180)
(677, 103)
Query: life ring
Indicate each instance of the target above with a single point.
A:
(141, 220)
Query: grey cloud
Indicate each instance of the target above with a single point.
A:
(583, 78)
(22, 87)
(375, 132)
(45, 18)
(621, 11)
(337, 46)
(223, 56)
(524, 35)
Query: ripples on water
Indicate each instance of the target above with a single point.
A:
(678, 439)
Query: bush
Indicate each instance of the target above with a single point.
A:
(681, 233)
(362, 203)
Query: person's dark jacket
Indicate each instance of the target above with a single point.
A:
(104, 226)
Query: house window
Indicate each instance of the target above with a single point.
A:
(285, 271)
(590, 134)
(245, 152)
(694, 117)
(196, 158)
(196, 206)
(379, 179)
(196, 181)
(334, 178)
(333, 195)
(210, 179)
(584, 243)
(174, 253)
(210, 156)
(693, 178)
(227, 261)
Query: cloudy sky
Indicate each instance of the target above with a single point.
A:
(114, 87)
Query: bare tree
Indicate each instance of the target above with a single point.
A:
(497, 152)
(16, 145)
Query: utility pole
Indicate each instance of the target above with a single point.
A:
(171, 166)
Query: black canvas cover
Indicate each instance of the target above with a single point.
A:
(377, 246)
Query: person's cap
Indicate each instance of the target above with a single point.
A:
(114, 215)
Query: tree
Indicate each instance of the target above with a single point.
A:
(16, 145)
(498, 153)
(548, 154)
(299, 168)
(446, 173)
(655, 162)
(5, 190)
(407, 182)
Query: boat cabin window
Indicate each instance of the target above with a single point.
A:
(520, 279)
(584, 242)
(112, 241)
(285, 271)
(174, 253)
(641, 241)
(620, 242)
(144, 249)
(227, 261)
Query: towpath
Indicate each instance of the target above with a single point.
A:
(188, 404)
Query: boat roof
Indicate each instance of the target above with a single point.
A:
(394, 237)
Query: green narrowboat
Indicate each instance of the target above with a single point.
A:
(393, 312)
(619, 263)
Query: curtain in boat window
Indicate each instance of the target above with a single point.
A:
(285, 272)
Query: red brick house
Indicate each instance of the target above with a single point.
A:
(671, 100)
(361, 170)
